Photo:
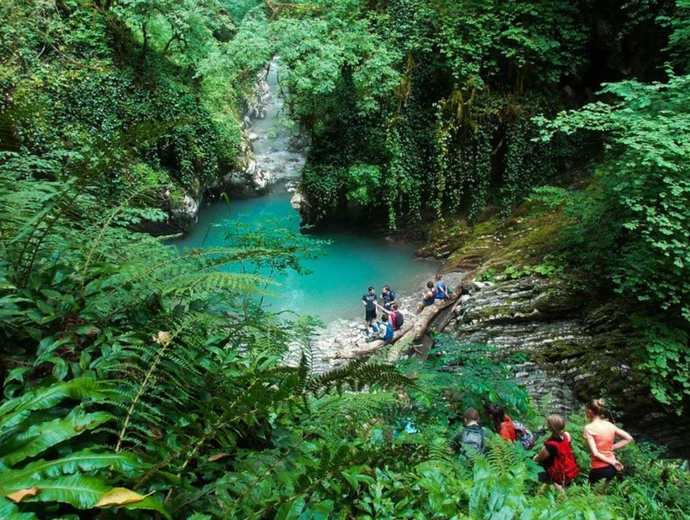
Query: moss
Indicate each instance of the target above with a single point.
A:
(496, 243)
(176, 197)
(477, 246)
(443, 237)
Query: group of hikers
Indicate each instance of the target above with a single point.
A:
(392, 318)
(434, 292)
(556, 456)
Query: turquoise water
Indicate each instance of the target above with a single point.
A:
(337, 281)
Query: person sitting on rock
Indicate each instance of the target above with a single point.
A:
(369, 302)
(441, 291)
(428, 298)
(395, 315)
(383, 329)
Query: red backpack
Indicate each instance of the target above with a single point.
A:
(564, 468)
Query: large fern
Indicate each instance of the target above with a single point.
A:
(79, 478)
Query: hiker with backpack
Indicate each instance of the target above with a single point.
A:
(601, 435)
(523, 435)
(396, 316)
(470, 440)
(503, 424)
(440, 291)
(383, 329)
(556, 457)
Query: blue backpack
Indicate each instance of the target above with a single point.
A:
(389, 332)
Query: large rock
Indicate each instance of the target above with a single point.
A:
(247, 179)
(185, 212)
(297, 200)
(505, 316)
(569, 358)
(259, 98)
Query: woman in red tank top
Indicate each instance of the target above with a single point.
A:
(601, 435)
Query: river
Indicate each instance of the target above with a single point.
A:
(351, 262)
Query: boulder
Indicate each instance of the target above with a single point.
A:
(297, 200)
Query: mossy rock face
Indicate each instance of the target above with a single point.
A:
(558, 301)
(443, 238)
(477, 246)
(497, 243)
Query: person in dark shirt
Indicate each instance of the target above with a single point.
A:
(469, 440)
(388, 297)
(369, 302)
(557, 447)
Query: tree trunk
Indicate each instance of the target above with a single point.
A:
(412, 331)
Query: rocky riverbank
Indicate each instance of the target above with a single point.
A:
(333, 344)
(270, 151)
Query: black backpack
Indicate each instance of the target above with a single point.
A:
(399, 319)
(472, 438)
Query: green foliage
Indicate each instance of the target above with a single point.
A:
(72, 472)
(418, 107)
(631, 225)
(172, 387)
(129, 364)
(548, 267)
(171, 363)
(79, 77)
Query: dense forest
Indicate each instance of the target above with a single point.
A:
(144, 382)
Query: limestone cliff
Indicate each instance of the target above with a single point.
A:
(576, 344)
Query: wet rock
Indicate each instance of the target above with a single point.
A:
(186, 212)
(505, 315)
(260, 96)
(297, 200)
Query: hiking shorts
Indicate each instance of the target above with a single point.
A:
(370, 315)
(598, 474)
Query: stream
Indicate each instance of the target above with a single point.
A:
(338, 279)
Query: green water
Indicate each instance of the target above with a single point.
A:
(337, 281)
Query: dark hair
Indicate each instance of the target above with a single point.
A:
(438, 277)
(430, 285)
(371, 288)
(596, 406)
(387, 287)
(394, 306)
(495, 414)
(384, 317)
(471, 415)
